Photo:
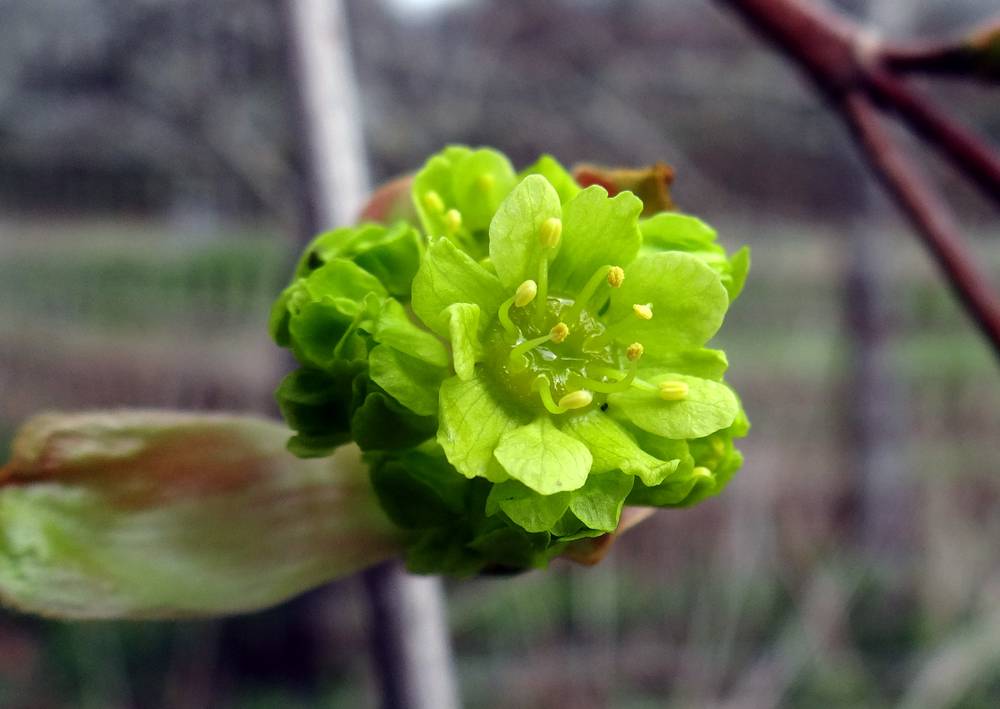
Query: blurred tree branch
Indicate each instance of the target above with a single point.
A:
(860, 76)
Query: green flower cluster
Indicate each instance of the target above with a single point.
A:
(518, 363)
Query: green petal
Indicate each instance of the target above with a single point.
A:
(463, 327)
(686, 297)
(343, 279)
(435, 176)
(394, 328)
(168, 515)
(472, 422)
(525, 507)
(703, 363)
(418, 490)
(448, 276)
(598, 504)
(597, 231)
(550, 168)
(476, 205)
(392, 255)
(739, 266)
(543, 458)
(514, 244)
(709, 407)
(670, 231)
(381, 423)
(614, 448)
(317, 404)
(412, 382)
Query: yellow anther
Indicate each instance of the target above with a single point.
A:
(550, 232)
(673, 391)
(634, 352)
(485, 183)
(576, 399)
(559, 332)
(702, 472)
(718, 447)
(525, 293)
(452, 220)
(644, 312)
(615, 276)
(432, 202)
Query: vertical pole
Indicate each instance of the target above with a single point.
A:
(411, 650)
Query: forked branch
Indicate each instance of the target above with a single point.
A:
(859, 74)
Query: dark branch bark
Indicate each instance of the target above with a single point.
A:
(851, 68)
(960, 145)
(929, 214)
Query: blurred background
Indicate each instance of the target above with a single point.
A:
(151, 202)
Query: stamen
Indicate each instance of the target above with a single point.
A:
(576, 399)
(702, 472)
(432, 202)
(485, 183)
(452, 221)
(526, 293)
(643, 312)
(615, 276)
(600, 276)
(550, 231)
(557, 334)
(673, 391)
(634, 352)
(541, 385)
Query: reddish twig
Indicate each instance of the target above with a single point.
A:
(930, 215)
(960, 145)
(852, 69)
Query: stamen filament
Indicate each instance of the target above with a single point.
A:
(503, 315)
(528, 345)
(599, 277)
(622, 383)
(542, 386)
(542, 299)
